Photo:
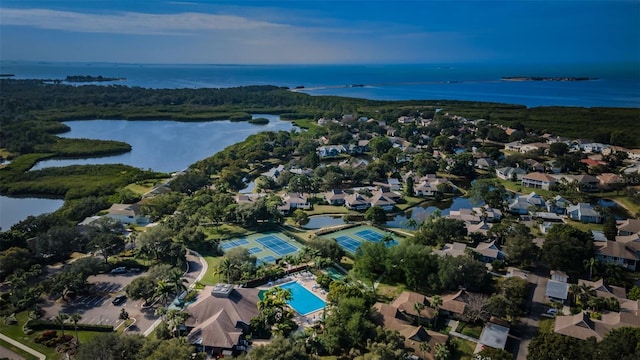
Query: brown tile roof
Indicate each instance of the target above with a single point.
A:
(407, 299)
(215, 320)
(581, 326)
(604, 290)
(629, 225)
(538, 176)
(615, 249)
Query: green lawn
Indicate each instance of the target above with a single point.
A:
(470, 330)
(464, 348)
(212, 261)
(327, 209)
(225, 231)
(545, 325)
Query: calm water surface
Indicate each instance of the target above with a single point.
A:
(14, 210)
(164, 146)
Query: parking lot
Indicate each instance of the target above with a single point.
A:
(96, 307)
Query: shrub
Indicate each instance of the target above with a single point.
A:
(10, 319)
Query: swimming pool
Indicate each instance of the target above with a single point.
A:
(302, 300)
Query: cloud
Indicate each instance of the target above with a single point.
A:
(131, 22)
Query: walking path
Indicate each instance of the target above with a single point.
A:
(23, 347)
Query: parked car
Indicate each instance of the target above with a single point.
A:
(119, 299)
(119, 270)
(552, 311)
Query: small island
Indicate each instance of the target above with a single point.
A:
(259, 121)
(89, 78)
(542, 78)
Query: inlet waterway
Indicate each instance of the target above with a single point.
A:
(164, 146)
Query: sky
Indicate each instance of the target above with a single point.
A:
(321, 31)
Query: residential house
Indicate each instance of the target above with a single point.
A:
(629, 227)
(406, 120)
(454, 249)
(378, 199)
(330, 151)
(510, 173)
(488, 214)
(335, 197)
(557, 289)
(581, 326)
(609, 181)
(604, 290)
(467, 215)
(219, 319)
(558, 205)
(633, 154)
(523, 203)
(292, 201)
(356, 201)
(405, 303)
(585, 183)
(538, 180)
(274, 172)
(533, 165)
(481, 227)
(127, 214)
(390, 317)
(488, 252)
(592, 147)
(585, 213)
(454, 305)
(493, 335)
(613, 252)
(485, 163)
(537, 146)
(394, 184)
(513, 146)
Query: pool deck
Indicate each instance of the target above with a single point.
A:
(307, 280)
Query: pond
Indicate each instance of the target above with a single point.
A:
(16, 209)
(320, 221)
(165, 146)
(422, 211)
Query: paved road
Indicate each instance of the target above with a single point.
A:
(528, 327)
(21, 346)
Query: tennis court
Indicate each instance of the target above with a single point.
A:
(233, 243)
(351, 239)
(267, 247)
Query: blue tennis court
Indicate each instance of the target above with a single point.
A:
(254, 250)
(370, 235)
(277, 245)
(348, 243)
(226, 245)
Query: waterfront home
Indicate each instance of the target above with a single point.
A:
(538, 180)
(127, 214)
(609, 181)
(510, 173)
(585, 213)
(378, 199)
(356, 201)
(292, 201)
(488, 252)
(335, 197)
(537, 146)
(628, 227)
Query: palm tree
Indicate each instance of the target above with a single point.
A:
(163, 291)
(75, 317)
(418, 307)
(590, 264)
(586, 292)
(574, 290)
(177, 281)
(425, 348)
(226, 267)
(60, 319)
(412, 223)
(436, 302)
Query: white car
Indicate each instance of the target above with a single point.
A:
(552, 311)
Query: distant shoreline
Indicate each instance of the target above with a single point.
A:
(541, 78)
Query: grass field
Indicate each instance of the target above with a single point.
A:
(17, 350)
(464, 348)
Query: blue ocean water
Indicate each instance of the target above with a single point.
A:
(617, 85)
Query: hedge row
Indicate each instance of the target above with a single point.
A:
(40, 324)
